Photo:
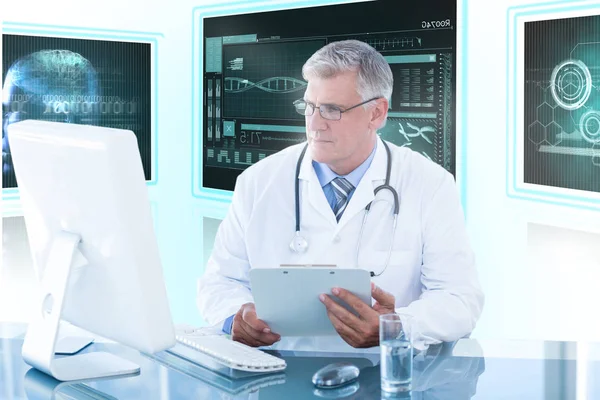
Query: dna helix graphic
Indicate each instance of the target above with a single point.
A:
(276, 84)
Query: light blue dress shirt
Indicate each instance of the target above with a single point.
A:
(325, 176)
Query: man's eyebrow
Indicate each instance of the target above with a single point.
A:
(325, 104)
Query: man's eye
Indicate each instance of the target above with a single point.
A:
(330, 109)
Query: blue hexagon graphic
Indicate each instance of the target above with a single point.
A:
(554, 133)
(536, 133)
(545, 113)
(596, 154)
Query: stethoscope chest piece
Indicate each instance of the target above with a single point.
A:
(299, 244)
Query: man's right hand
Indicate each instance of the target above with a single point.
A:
(250, 330)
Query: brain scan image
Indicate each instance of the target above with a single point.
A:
(43, 86)
(75, 81)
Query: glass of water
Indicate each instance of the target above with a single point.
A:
(396, 354)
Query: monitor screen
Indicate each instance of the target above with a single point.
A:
(561, 121)
(79, 81)
(252, 73)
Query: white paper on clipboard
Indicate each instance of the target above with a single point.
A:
(287, 299)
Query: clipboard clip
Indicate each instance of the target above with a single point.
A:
(307, 265)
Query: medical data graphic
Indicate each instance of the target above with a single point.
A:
(252, 74)
(91, 82)
(562, 103)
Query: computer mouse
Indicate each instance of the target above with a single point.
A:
(335, 375)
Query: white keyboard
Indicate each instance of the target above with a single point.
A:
(233, 354)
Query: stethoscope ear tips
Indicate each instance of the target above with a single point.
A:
(298, 244)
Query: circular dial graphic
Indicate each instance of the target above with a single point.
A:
(589, 126)
(571, 84)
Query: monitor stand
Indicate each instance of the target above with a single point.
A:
(69, 345)
(40, 342)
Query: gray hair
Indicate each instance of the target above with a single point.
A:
(374, 73)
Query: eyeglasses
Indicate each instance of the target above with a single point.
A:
(328, 111)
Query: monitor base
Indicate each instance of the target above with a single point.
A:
(40, 386)
(41, 339)
(92, 366)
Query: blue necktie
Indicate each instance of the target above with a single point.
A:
(342, 189)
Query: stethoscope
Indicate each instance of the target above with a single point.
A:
(299, 243)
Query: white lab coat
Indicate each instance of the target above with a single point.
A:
(432, 271)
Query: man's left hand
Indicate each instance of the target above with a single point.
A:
(362, 330)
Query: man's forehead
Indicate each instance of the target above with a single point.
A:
(329, 93)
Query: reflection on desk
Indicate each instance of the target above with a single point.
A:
(563, 370)
(436, 373)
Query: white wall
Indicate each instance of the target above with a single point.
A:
(537, 285)
(537, 262)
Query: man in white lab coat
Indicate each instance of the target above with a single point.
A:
(431, 274)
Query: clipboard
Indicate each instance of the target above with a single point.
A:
(287, 299)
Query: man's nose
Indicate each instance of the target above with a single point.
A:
(316, 122)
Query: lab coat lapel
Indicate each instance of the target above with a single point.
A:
(364, 193)
(311, 190)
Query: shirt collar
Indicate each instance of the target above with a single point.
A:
(326, 175)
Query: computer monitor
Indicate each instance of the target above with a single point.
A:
(251, 73)
(92, 238)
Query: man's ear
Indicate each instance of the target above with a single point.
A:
(378, 113)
